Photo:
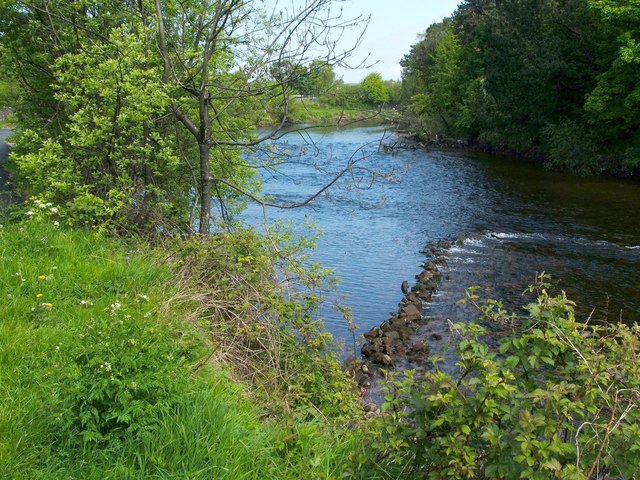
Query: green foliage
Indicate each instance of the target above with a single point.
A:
(267, 325)
(7, 93)
(375, 91)
(518, 74)
(124, 376)
(113, 366)
(313, 80)
(558, 400)
(115, 164)
(572, 146)
(612, 107)
(345, 96)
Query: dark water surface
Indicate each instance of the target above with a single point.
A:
(512, 219)
(4, 152)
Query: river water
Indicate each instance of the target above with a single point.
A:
(511, 219)
(4, 152)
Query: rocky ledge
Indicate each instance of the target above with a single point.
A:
(394, 344)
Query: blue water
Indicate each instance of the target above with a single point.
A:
(512, 219)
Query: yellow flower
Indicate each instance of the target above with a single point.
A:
(39, 295)
(42, 277)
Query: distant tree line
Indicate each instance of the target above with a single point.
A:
(560, 78)
(318, 80)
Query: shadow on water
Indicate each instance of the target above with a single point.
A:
(514, 219)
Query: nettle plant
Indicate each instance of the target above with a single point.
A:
(559, 399)
(125, 372)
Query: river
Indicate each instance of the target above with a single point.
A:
(511, 219)
(7, 193)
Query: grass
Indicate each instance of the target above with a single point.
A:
(97, 374)
(315, 112)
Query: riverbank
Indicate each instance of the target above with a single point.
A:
(318, 113)
(117, 364)
(412, 140)
(6, 185)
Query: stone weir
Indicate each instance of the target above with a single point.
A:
(395, 343)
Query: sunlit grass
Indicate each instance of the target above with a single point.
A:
(55, 285)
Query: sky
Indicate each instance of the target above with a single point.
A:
(393, 28)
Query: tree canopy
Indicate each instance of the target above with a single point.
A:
(145, 110)
(558, 78)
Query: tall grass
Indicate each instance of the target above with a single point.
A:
(97, 374)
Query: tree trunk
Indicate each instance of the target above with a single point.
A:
(205, 190)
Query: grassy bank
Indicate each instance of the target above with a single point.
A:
(320, 113)
(123, 361)
(103, 373)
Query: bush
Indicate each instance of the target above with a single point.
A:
(126, 374)
(559, 400)
(260, 307)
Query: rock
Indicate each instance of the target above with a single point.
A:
(436, 336)
(425, 276)
(419, 350)
(405, 287)
(392, 334)
(381, 358)
(411, 312)
(426, 296)
(373, 333)
(386, 325)
(370, 407)
(365, 369)
(397, 323)
(361, 379)
(430, 285)
(391, 343)
(369, 350)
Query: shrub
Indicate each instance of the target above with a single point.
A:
(559, 400)
(260, 305)
(125, 374)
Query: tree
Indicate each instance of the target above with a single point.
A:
(516, 74)
(374, 90)
(613, 106)
(322, 77)
(201, 73)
